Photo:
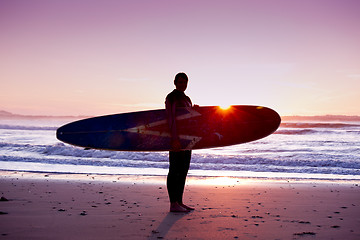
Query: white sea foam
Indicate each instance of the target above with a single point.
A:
(306, 150)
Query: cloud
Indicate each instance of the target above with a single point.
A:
(132, 80)
(144, 105)
(354, 76)
(297, 85)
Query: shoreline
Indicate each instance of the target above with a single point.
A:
(159, 179)
(69, 206)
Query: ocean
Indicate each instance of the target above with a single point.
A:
(300, 149)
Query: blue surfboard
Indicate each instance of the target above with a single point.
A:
(198, 128)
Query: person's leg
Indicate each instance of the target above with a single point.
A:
(183, 170)
(174, 181)
(185, 164)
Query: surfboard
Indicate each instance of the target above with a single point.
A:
(198, 128)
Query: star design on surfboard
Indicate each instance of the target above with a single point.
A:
(146, 129)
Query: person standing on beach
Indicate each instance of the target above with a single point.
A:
(179, 159)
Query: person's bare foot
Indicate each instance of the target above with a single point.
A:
(186, 207)
(176, 207)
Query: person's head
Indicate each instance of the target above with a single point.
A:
(181, 81)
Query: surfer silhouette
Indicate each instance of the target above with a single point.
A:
(179, 159)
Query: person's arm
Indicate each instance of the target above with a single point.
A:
(171, 119)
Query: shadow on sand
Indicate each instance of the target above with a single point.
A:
(166, 224)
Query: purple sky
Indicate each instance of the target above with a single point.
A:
(100, 57)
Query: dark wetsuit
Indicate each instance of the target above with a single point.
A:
(179, 160)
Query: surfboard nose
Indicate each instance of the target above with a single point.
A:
(66, 132)
(60, 133)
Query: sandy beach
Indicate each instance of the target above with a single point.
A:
(46, 206)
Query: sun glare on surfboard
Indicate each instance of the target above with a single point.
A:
(225, 107)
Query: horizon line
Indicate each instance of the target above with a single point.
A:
(288, 117)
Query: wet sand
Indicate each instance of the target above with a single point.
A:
(41, 206)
